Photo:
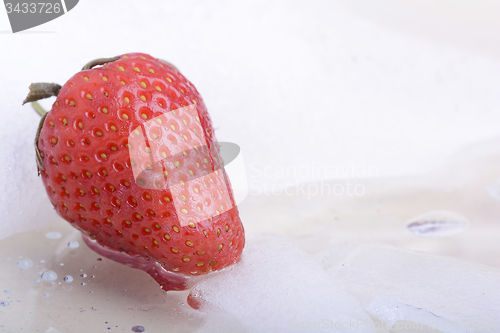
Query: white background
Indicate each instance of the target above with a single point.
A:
(383, 86)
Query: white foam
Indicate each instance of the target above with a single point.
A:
(276, 288)
(25, 204)
(399, 285)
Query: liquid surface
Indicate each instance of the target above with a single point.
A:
(55, 282)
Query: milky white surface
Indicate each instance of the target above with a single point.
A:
(397, 285)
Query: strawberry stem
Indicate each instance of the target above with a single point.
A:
(38, 108)
(167, 63)
(41, 90)
(98, 62)
(39, 160)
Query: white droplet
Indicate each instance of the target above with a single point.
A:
(25, 263)
(49, 276)
(5, 303)
(46, 294)
(53, 235)
(493, 190)
(73, 244)
(438, 223)
(68, 278)
(83, 275)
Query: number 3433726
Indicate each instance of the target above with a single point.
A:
(33, 7)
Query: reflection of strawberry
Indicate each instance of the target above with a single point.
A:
(128, 156)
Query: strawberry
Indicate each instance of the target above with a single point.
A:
(128, 156)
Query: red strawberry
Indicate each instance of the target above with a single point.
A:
(128, 155)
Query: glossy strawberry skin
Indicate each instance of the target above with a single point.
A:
(88, 174)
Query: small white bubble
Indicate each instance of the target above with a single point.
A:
(42, 261)
(68, 278)
(9, 258)
(438, 223)
(49, 276)
(494, 190)
(83, 275)
(4, 303)
(37, 280)
(73, 244)
(7, 291)
(46, 294)
(25, 263)
(61, 264)
(83, 283)
(138, 328)
(53, 235)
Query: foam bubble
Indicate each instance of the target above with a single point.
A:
(438, 223)
(73, 244)
(49, 276)
(25, 264)
(276, 286)
(53, 235)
